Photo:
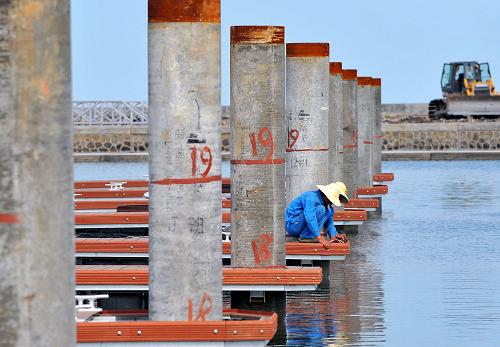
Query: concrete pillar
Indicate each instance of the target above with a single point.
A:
(365, 131)
(335, 123)
(377, 134)
(258, 138)
(307, 91)
(350, 130)
(257, 146)
(377, 137)
(184, 160)
(36, 175)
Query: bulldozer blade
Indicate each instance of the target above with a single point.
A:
(479, 105)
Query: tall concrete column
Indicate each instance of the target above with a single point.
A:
(350, 130)
(377, 137)
(365, 131)
(257, 146)
(184, 160)
(307, 99)
(258, 159)
(335, 123)
(36, 175)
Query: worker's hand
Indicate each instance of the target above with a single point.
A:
(324, 242)
(339, 238)
(343, 237)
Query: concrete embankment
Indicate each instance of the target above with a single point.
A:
(407, 135)
(441, 155)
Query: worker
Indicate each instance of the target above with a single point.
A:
(308, 213)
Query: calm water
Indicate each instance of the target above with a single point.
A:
(427, 273)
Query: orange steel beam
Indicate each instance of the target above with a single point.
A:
(140, 245)
(139, 275)
(113, 204)
(362, 203)
(226, 203)
(375, 190)
(107, 193)
(106, 204)
(102, 184)
(111, 218)
(262, 327)
(112, 245)
(383, 177)
(142, 217)
(353, 203)
(297, 248)
(349, 216)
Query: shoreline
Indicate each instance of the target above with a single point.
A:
(386, 156)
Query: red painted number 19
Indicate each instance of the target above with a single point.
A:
(293, 136)
(265, 140)
(205, 157)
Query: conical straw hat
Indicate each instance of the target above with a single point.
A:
(334, 191)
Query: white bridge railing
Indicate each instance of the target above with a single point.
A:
(114, 113)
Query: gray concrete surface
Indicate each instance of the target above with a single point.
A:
(36, 175)
(377, 134)
(307, 117)
(258, 138)
(257, 146)
(408, 108)
(335, 131)
(184, 164)
(365, 118)
(350, 131)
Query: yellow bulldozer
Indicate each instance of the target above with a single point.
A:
(468, 90)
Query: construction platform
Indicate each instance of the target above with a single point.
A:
(132, 328)
(140, 219)
(135, 278)
(137, 247)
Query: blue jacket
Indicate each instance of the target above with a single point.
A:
(306, 203)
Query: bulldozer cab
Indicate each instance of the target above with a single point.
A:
(465, 78)
(468, 90)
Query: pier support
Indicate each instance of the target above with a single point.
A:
(377, 137)
(307, 101)
(36, 175)
(377, 134)
(335, 123)
(258, 158)
(307, 117)
(350, 131)
(184, 160)
(365, 131)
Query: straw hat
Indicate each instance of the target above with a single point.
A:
(334, 191)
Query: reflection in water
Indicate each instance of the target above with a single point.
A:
(351, 311)
(425, 274)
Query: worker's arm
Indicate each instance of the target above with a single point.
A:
(312, 223)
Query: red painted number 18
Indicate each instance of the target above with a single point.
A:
(205, 157)
(265, 140)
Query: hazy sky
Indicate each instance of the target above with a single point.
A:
(404, 42)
